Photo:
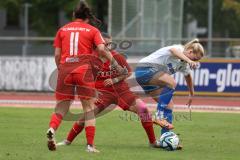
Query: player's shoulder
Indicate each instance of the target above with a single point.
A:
(172, 46)
(166, 51)
(177, 46)
(91, 27)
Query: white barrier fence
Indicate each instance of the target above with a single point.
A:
(26, 74)
(214, 77)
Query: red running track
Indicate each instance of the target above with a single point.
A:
(178, 100)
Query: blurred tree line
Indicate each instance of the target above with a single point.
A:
(226, 16)
(44, 14)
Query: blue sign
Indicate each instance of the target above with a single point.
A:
(215, 78)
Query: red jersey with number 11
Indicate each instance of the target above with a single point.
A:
(77, 38)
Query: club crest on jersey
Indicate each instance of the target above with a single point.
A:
(104, 74)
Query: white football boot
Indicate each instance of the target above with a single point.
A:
(91, 149)
(51, 139)
(64, 143)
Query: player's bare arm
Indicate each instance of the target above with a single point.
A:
(57, 54)
(190, 85)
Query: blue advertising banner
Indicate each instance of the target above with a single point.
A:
(213, 77)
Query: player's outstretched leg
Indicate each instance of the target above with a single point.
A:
(54, 124)
(77, 128)
(61, 109)
(89, 123)
(146, 119)
(164, 113)
(168, 117)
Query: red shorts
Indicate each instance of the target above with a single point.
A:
(75, 79)
(123, 99)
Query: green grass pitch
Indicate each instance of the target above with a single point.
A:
(210, 136)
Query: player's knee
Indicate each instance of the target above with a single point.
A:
(88, 105)
(141, 106)
(88, 108)
(62, 108)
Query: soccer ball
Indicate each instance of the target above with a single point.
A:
(169, 141)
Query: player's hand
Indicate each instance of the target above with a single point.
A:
(190, 99)
(124, 71)
(108, 82)
(192, 64)
(120, 69)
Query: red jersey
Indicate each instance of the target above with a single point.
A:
(106, 72)
(77, 38)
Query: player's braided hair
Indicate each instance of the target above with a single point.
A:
(82, 11)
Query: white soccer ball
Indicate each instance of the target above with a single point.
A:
(169, 141)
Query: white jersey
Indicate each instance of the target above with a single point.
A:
(163, 57)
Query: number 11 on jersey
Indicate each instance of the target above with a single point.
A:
(74, 37)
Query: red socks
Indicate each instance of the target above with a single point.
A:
(76, 129)
(56, 120)
(146, 119)
(90, 133)
(148, 126)
(90, 130)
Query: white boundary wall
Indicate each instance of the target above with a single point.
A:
(26, 74)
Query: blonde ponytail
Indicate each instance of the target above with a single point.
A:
(195, 46)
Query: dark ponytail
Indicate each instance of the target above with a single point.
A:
(82, 11)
